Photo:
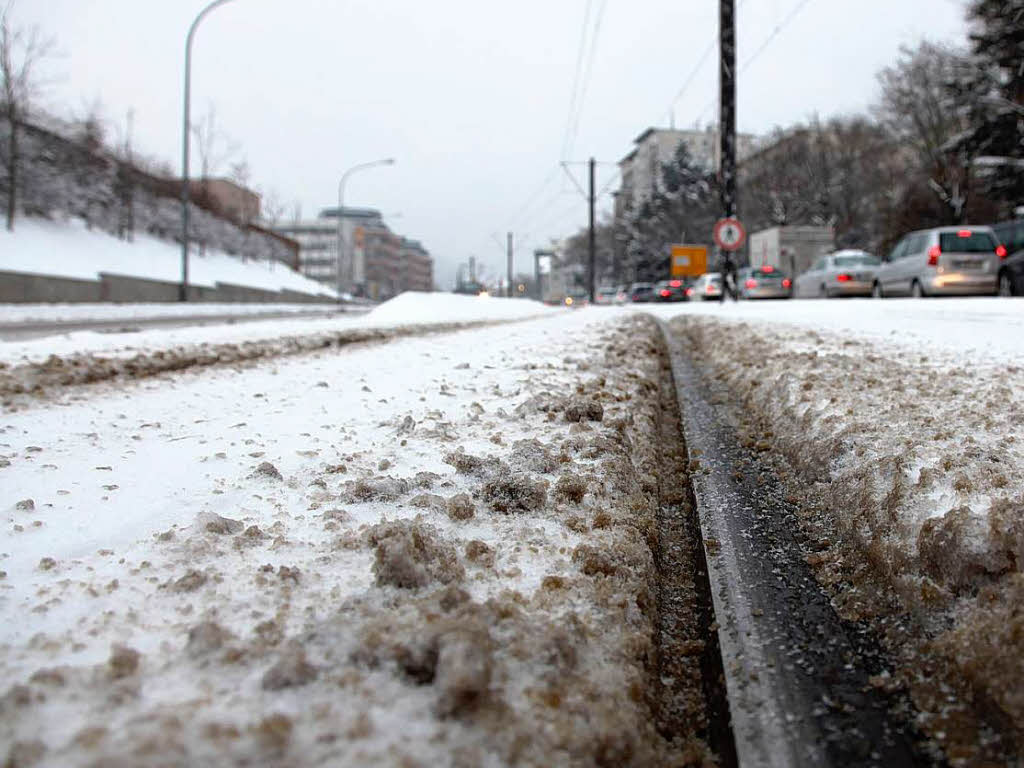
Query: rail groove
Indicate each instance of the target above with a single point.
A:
(796, 676)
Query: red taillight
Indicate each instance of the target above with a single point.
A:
(665, 293)
(933, 255)
(1001, 251)
(710, 288)
(767, 269)
(964, 233)
(786, 283)
(689, 291)
(844, 278)
(751, 283)
(676, 283)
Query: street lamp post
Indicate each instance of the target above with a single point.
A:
(341, 217)
(186, 126)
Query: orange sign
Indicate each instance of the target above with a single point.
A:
(689, 260)
(359, 236)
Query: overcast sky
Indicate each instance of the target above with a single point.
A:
(472, 97)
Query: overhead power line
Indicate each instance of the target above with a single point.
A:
(581, 102)
(581, 49)
(793, 13)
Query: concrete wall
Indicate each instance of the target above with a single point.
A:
(23, 288)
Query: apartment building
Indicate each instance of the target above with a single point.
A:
(641, 168)
(378, 263)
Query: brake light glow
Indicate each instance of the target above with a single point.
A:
(786, 283)
(767, 269)
(665, 293)
(751, 283)
(675, 283)
(933, 255)
(842, 277)
(689, 291)
(964, 233)
(710, 288)
(1001, 251)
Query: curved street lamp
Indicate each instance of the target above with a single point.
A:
(341, 217)
(183, 290)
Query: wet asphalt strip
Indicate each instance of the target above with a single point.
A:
(796, 675)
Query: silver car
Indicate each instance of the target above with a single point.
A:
(940, 261)
(764, 282)
(843, 273)
(708, 287)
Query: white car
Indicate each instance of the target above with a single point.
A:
(708, 287)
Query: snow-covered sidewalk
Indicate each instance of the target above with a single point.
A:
(408, 309)
(430, 552)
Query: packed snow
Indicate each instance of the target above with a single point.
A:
(433, 551)
(897, 426)
(980, 330)
(408, 309)
(59, 249)
(80, 313)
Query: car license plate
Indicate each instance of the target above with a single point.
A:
(967, 264)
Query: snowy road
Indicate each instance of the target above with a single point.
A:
(195, 564)
(455, 529)
(980, 331)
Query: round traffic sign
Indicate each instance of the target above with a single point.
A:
(729, 234)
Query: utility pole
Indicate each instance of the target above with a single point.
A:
(592, 242)
(472, 269)
(536, 275)
(508, 291)
(727, 106)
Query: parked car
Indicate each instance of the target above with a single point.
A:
(670, 290)
(605, 295)
(1010, 280)
(764, 282)
(941, 261)
(708, 287)
(641, 292)
(843, 273)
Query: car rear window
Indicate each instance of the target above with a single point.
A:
(864, 260)
(960, 242)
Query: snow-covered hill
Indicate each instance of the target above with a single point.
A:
(70, 250)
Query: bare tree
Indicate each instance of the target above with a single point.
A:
(920, 109)
(274, 208)
(22, 50)
(125, 180)
(213, 145)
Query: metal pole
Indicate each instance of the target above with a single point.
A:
(339, 268)
(536, 276)
(508, 292)
(592, 243)
(727, 106)
(186, 126)
(342, 240)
